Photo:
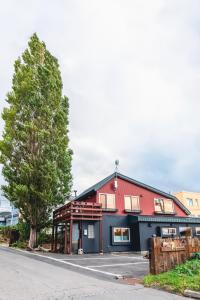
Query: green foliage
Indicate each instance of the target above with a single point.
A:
(5, 231)
(195, 255)
(184, 276)
(20, 244)
(34, 150)
(24, 230)
(44, 238)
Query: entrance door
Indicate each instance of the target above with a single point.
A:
(75, 237)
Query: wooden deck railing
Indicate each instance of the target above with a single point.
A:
(76, 210)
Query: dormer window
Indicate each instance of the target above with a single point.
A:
(163, 206)
(131, 203)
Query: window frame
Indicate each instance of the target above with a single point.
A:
(196, 230)
(190, 202)
(121, 242)
(185, 227)
(106, 208)
(132, 210)
(93, 237)
(168, 234)
(164, 212)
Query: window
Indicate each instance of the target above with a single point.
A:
(197, 202)
(197, 230)
(121, 235)
(165, 206)
(190, 201)
(168, 231)
(131, 203)
(185, 231)
(107, 201)
(91, 231)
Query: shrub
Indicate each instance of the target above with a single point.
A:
(20, 244)
(43, 238)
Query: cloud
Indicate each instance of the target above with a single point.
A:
(131, 71)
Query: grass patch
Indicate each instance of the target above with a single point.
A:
(184, 276)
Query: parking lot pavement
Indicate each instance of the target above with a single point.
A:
(107, 266)
(37, 276)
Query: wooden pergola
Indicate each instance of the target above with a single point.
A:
(75, 211)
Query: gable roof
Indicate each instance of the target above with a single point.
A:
(93, 189)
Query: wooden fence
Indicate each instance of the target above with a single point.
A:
(166, 253)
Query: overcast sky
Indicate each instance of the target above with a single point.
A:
(131, 70)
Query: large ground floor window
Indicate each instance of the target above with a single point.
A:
(121, 235)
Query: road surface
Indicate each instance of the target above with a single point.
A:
(28, 277)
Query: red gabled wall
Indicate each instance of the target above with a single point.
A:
(127, 188)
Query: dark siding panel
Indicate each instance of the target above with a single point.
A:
(110, 221)
(146, 231)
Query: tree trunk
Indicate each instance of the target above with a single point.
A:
(32, 237)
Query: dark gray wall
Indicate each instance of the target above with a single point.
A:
(110, 221)
(148, 229)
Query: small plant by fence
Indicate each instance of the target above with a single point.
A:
(166, 253)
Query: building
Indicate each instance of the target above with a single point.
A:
(191, 200)
(120, 214)
(8, 214)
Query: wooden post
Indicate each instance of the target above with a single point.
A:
(100, 237)
(56, 238)
(52, 240)
(80, 246)
(70, 241)
(65, 239)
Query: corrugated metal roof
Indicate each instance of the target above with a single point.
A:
(164, 219)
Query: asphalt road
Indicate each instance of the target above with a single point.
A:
(27, 277)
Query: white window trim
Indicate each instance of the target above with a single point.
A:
(169, 234)
(129, 234)
(106, 199)
(138, 197)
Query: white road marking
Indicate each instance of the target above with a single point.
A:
(90, 258)
(125, 264)
(70, 264)
(131, 257)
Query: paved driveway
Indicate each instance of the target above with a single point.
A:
(106, 265)
(32, 277)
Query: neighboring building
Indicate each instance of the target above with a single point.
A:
(132, 212)
(191, 200)
(8, 214)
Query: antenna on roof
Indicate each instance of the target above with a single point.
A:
(116, 169)
(116, 165)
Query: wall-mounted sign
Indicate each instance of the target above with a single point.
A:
(85, 232)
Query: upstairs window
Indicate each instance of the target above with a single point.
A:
(131, 203)
(107, 201)
(164, 206)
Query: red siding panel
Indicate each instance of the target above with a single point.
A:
(127, 188)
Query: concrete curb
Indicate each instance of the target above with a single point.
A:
(192, 294)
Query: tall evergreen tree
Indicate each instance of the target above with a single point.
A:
(34, 150)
